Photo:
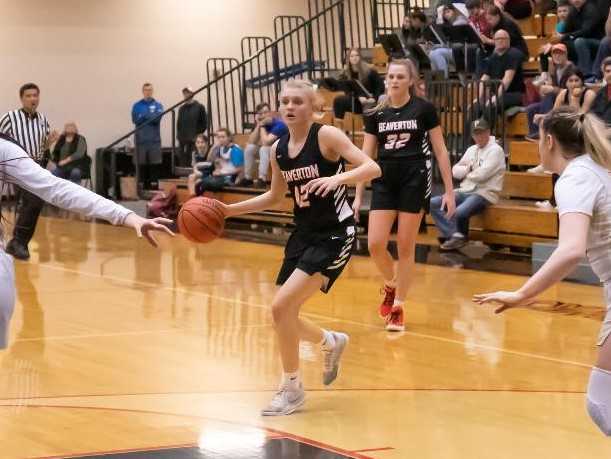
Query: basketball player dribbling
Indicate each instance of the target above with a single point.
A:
(16, 167)
(309, 162)
(402, 130)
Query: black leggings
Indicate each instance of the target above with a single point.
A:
(343, 104)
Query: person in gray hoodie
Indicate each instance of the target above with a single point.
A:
(481, 169)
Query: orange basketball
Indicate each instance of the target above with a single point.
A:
(201, 220)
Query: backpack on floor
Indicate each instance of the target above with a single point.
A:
(163, 204)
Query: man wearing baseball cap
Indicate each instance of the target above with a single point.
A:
(192, 120)
(481, 170)
(550, 83)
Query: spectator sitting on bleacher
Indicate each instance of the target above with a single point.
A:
(499, 21)
(481, 170)
(200, 153)
(550, 83)
(505, 64)
(585, 27)
(225, 162)
(562, 13)
(199, 158)
(69, 153)
(604, 50)
(414, 24)
(477, 18)
(442, 56)
(517, 9)
(357, 69)
(602, 103)
(574, 94)
(266, 131)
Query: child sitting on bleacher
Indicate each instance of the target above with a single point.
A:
(223, 164)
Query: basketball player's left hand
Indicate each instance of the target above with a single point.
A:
(322, 186)
(146, 226)
(448, 202)
(507, 300)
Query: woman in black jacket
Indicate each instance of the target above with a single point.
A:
(357, 69)
(70, 154)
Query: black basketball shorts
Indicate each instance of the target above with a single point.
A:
(405, 186)
(325, 252)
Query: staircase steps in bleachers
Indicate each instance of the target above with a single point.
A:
(527, 186)
(517, 126)
(523, 153)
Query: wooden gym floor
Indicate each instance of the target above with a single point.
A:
(122, 350)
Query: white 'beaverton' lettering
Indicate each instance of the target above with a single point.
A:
(397, 125)
(301, 173)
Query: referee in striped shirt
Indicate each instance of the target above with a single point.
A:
(31, 129)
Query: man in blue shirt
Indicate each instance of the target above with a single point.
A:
(148, 138)
(262, 137)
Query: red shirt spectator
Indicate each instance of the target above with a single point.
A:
(477, 17)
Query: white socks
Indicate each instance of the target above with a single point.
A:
(291, 380)
(598, 399)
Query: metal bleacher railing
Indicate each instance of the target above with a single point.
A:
(309, 48)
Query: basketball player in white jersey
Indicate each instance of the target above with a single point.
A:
(16, 167)
(577, 147)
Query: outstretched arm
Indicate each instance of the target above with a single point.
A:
(571, 249)
(18, 168)
(266, 200)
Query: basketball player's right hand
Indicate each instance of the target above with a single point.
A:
(448, 202)
(146, 226)
(506, 300)
(322, 186)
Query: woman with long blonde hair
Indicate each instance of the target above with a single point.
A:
(402, 130)
(357, 69)
(576, 146)
(309, 163)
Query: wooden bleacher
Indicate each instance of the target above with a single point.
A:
(523, 153)
(514, 222)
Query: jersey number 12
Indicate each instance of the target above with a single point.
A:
(301, 196)
(396, 142)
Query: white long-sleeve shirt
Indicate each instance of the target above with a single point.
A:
(482, 171)
(18, 168)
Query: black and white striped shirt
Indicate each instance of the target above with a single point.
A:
(31, 131)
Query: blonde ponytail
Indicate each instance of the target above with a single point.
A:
(596, 137)
(579, 133)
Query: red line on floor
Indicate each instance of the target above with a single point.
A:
(371, 450)
(278, 433)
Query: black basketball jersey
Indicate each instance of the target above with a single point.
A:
(403, 132)
(313, 213)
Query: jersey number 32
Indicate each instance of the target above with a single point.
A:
(396, 141)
